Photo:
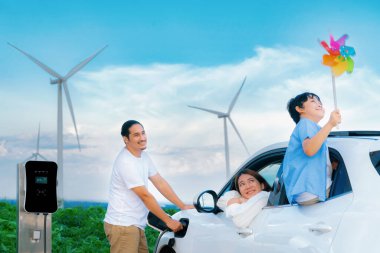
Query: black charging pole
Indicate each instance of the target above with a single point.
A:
(41, 189)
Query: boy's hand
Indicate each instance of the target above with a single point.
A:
(312, 145)
(335, 118)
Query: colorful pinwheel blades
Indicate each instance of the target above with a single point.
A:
(350, 65)
(329, 60)
(339, 55)
(347, 51)
(340, 66)
(335, 45)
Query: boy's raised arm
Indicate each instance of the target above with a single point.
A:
(311, 146)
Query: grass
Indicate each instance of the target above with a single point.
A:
(76, 229)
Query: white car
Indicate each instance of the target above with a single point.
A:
(347, 222)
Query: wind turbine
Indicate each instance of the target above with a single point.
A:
(225, 116)
(35, 156)
(61, 81)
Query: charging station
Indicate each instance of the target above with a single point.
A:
(36, 200)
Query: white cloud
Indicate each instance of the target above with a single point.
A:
(3, 149)
(187, 144)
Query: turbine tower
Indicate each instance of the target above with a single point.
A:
(61, 81)
(225, 116)
(35, 156)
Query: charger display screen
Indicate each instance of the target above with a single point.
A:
(41, 180)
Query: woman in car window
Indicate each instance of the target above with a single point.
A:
(251, 196)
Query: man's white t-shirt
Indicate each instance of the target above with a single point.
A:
(125, 208)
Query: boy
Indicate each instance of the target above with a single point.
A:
(306, 166)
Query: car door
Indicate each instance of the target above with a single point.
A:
(218, 230)
(214, 232)
(294, 228)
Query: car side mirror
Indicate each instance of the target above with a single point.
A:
(205, 202)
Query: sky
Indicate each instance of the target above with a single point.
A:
(161, 57)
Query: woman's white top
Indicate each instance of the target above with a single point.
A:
(243, 214)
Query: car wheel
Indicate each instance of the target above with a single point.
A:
(167, 249)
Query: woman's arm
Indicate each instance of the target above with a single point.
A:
(223, 200)
(243, 214)
(237, 200)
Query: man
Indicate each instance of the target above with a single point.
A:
(130, 200)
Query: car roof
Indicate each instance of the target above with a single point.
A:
(334, 137)
(356, 133)
(354, 147)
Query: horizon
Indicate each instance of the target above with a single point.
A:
(87, 203)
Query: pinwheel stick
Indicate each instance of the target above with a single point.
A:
(334, 93)
(334, 90)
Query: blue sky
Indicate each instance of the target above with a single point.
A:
(161, 57)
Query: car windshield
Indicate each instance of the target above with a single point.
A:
(375, 158)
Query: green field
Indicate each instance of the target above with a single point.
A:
(74, 229)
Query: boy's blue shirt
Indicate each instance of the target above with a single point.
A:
(302, 173)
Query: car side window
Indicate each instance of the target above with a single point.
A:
(375, 159)
(269, 172)
(278, 195)
(266, 164)
(340, 181)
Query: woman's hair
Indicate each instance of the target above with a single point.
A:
(256, 175)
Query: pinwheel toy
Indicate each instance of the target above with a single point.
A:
(338, 58)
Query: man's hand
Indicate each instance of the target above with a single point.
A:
(186, 207)
(174, 225)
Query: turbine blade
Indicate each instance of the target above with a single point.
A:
(236, 97)
(42, 65)
(208, 110)
(237, 132)
(68, 99)
(82, 64)
(38, 138)
(29, 158)
(44, 158)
